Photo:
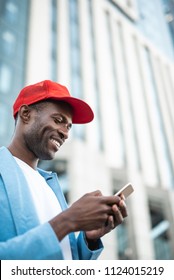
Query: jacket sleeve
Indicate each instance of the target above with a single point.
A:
(38, 243)
(84, 252)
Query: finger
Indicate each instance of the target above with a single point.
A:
(109, 224)
(118, 217)
(122, 196)
(94, 193)
(123, 208)
(114, 199)
(97, 193)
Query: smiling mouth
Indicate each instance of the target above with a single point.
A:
(56, 143)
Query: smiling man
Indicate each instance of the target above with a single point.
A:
(35, 221)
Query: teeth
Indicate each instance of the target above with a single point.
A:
(56, 143)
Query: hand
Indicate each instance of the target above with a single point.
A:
(117, 217)
(90, 213)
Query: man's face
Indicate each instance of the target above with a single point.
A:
(48, 129)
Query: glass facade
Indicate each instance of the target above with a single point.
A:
(123, 242)
(168, 6)
(151, 18)
(160, 141)
(125, 97)
(128, 7)
(160, 234)
(54, 42)
(94, 83)
(75, 58)
(113, 95)
(13, 45)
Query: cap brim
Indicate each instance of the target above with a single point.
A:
(82, 112)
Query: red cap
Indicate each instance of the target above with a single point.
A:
(82, 113)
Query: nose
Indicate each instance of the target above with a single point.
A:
(63, 132)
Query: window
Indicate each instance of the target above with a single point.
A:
(139, 108)
(162, 155)
(11, 12)
(123, 242)
(5, 78)
(125, 95)
(8, 43)
(129, 7)
(113, 111)
(13, 34)
(54, 40)
(125, 246)
(160, 233)
(76, 82)
(3, 120)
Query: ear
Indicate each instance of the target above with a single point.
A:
(25, 113)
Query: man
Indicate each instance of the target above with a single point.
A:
(35, 222)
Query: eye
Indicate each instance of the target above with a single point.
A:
(58, 120)
(62, 121)
(69, 126)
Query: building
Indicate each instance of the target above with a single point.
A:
(118, 56)
(13, 46)
(169, 15)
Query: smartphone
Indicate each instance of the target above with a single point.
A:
(126, 190)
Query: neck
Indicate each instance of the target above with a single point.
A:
(20, 152)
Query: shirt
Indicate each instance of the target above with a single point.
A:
(46, 204)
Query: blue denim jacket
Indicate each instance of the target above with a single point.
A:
(21, 235)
